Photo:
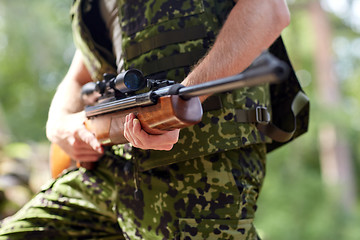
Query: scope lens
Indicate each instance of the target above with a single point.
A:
(133, 81)
(129, 81)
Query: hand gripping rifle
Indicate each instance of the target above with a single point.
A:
(166, 106)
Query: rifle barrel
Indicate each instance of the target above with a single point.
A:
(121, 104)
(270, 70)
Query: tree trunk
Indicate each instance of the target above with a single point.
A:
(335, 157)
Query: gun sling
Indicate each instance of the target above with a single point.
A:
(261, 117)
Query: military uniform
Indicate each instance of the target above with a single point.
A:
(206, 187)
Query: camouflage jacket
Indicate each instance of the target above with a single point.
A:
(164, 39)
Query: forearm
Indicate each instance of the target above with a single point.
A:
(251, 27)
(67, 99)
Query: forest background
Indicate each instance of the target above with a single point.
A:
(311, 188)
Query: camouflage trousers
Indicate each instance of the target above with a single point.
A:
(211, 197)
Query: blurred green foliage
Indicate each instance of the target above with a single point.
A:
(36, 48)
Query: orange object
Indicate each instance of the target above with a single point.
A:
(59, 160)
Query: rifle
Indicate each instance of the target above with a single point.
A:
(166, 106)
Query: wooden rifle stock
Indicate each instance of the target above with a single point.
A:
(171, 112)
(59, 160)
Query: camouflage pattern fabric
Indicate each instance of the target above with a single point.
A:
(145, 20)
(211, 197)
(97, 58)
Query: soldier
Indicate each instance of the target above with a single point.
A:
(198, 183)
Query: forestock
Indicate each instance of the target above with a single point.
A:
(171, 112)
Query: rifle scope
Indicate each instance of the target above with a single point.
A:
(128, 81)
(125, 82)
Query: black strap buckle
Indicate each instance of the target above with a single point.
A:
(258, 115)
(262, 115)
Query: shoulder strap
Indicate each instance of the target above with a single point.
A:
(289, 104)
(278, 133)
